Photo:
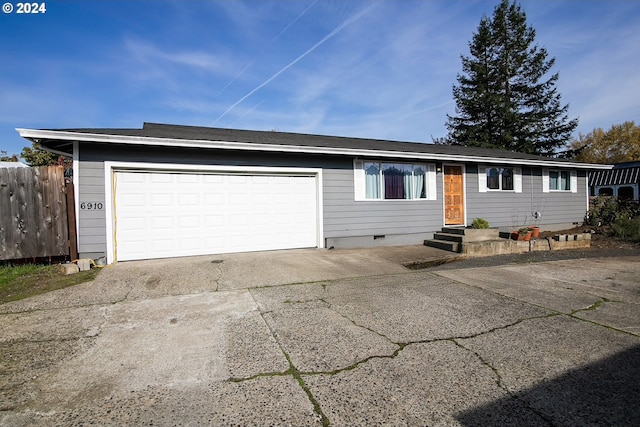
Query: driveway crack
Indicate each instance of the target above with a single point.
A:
(500, 383)
(294, 372)
(403, 345)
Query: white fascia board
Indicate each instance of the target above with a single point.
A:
(34, 134)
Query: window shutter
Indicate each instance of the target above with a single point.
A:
(358, 180)
(482, 179)
(545, 180)
(574, 181)
(517, 180)
(431, 182)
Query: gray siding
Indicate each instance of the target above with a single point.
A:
(343, 216)
(510, 210)
(91, 179)
(91, 223)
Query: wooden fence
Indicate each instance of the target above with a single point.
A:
(36, 214)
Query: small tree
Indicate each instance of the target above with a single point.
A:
(505, 97)
(35, 156)
(5, 157)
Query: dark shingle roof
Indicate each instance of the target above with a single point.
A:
(182, 132)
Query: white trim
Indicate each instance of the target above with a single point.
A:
(432, 190)
(360, 189)
(573, 181)
(111, 167)
(482, 179)
(545, 180)
(35, 135)
(517, 180)
(359, 181)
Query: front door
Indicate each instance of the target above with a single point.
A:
(453, 195)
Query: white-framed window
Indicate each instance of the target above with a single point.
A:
(499, 178)
(559, 180)
(376, 180)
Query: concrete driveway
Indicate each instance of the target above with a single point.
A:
(317, 337)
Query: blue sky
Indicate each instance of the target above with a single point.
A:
(362, 68)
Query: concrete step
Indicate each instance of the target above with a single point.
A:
(447, 245)
(471, 234)
(449, 237)
(453, 230)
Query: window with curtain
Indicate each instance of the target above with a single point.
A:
(395, 181)
(559, 180)
(372, 180)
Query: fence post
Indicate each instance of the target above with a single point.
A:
(71, 221)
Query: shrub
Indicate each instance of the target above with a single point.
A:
(607, 210)
(480, 223)
(627, 229)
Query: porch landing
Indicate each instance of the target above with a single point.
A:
(487, 242)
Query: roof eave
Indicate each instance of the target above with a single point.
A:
(38, 136)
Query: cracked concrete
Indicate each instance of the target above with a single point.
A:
(353, 339)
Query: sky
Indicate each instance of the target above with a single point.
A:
(380, 69)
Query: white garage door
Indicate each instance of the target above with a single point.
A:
(162, 214)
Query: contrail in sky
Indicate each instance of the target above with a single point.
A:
(266, 46)
(413, 113)
(332, 34)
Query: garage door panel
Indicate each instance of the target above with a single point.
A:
(189, 199)
(181, 214)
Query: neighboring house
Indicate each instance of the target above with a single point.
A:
(13, 165)
(621, 181)
(168, 190)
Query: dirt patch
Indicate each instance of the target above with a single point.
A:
(601, 238)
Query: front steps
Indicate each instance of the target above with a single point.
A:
(475, 242)
(454, 238)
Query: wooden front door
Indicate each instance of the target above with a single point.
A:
(453, 195)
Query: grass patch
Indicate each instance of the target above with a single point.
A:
(24, 281)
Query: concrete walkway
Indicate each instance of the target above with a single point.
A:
(317, 337)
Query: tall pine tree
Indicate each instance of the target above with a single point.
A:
(505, 97)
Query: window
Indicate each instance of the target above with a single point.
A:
(625, 193)
(605, 191)
(500, 178)
(394, 181)
(559, 180)
(496, 178)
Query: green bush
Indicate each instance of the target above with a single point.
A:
(607, 210)
(480, 223)
(627, 229)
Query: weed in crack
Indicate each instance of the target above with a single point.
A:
(592, 307)
(293, 371)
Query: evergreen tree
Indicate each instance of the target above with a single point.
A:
(505, 97)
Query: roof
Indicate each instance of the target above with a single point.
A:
(155, 134)
(13, 165)
(615, 176)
